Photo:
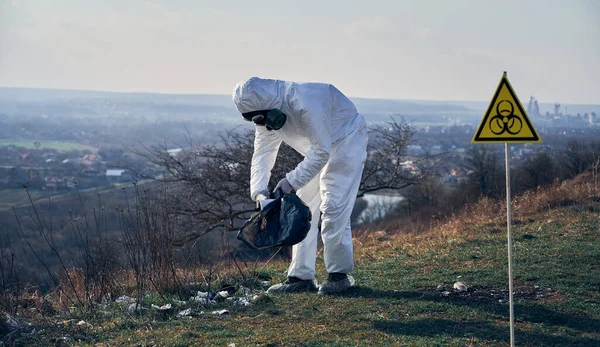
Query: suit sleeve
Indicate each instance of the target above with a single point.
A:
(266, 146)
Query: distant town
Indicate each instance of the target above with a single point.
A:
(51, 141)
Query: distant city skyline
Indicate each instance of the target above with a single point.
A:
(426, 50)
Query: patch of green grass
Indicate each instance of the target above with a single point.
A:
(399, 300)
(59, 146)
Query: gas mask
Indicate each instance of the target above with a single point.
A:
(272, 119)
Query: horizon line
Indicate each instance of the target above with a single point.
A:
(216, 94)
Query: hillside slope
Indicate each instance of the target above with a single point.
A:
(404, 293)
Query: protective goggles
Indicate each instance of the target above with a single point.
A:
(272, 119)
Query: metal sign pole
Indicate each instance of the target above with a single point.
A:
(510, 256)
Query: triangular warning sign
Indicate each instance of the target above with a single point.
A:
(505, 119)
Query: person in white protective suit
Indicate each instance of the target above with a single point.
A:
(323, 125)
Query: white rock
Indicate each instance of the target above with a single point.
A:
(460, 287)
(231, 345)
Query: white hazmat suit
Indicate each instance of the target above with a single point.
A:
(324, 126)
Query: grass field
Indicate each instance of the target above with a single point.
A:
(10, 198)
(399, 299)
(59, 146)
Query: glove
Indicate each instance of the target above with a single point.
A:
(285, 186)
(260, 196)
(263, 195)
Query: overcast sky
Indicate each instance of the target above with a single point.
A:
(435, 50)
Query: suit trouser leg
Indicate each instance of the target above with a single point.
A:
(340, 180)
(304, 254)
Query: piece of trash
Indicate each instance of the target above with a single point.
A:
(536, 287)
(124, 299)
(224, 294)
(133, 308)
(221, 312)
(231, 345)
(83, 323)
(445, 293)
(203, 301)
(460, 287)
(242, 302)
(184, 313)
(262, 299)
(204, 298)
(162, 308)
(221, 296)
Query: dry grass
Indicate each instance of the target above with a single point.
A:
(484, 213)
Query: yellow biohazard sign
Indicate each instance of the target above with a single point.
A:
(505, 119)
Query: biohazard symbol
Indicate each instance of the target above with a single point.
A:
(505, 119)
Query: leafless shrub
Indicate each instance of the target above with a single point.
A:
(10, 281)
(81, 273)
(148, 229)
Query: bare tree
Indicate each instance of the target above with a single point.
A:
(386, 166)
(486, 170)
(211, 182)
(577, 157)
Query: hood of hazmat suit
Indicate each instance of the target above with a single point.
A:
(318, 115)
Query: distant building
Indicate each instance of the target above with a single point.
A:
(174, 152)
(533, 109)
(119, 176)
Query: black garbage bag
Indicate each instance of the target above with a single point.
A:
(283, 222)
